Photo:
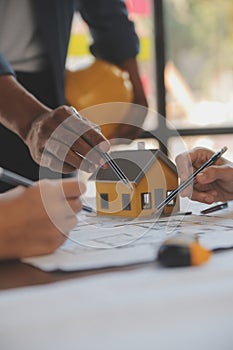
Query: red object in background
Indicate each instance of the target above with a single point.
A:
(140, 7)
(146, 84)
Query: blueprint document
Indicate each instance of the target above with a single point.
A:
(99, 242)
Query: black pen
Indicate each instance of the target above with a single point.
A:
(104, 155)
(215, 208)
(190, 179)
(88, 209)
(11, 178)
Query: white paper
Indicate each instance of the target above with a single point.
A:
(99, 242)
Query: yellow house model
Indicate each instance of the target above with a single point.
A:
(152, 175)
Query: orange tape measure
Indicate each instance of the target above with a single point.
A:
(182, 250)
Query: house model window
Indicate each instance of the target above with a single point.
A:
(152, 176)
(173, 201)
(104, 200)
(146, 200)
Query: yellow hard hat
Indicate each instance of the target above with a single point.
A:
(99, 83)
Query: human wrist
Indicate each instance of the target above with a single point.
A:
(18, 107)
(131, 66)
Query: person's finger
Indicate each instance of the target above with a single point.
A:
(200, 155)
(96, 139)
(214, 173)
(57, 150)
(73, 188)
(83, 129)
(88, 152)
(204, 197)
(75, 204)
(78, 162)
(194, 189)
(187, 162)
(50, 161)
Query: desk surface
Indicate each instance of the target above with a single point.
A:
(147, 307)
(14, 274)
(130, 308)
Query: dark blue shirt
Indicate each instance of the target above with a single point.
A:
(114, 37)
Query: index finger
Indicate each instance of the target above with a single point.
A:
(90, 132)
(72, 188)
(189, 161)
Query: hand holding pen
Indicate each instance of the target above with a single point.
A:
(62, 142)
(104, 155)
(37, 216)
(212, 184)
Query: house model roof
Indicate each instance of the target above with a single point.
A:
(133, 163)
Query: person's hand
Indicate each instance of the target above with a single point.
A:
(72, 142)
(26, 229)
(69, 137)
(131, 129)
(213, 184)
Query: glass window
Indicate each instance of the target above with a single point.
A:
(199, 65)
(146, 200)
(126, 201)
(104, 200)
(172, 202)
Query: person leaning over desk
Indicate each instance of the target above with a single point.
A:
(33, 48)
(213, 184)
(34, 37)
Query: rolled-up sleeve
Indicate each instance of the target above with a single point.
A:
(114, 36)
(5, 67)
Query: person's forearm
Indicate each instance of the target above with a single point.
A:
(18, 108)
(131, 66)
